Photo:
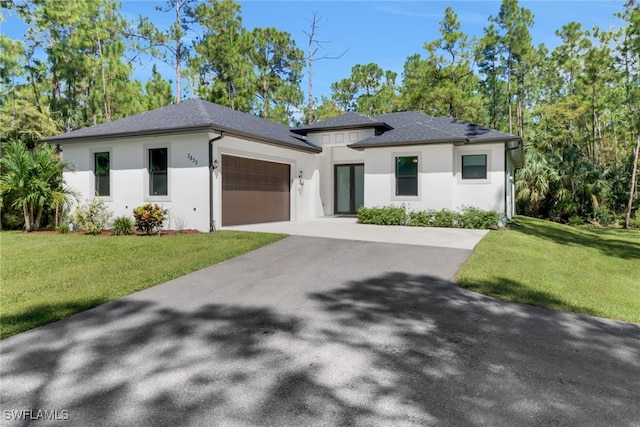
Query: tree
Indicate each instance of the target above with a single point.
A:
(32, 180)
(630, 61)
(221, 66)
(158, 92)
(513, 23)
(369, 90)
(168, 45)
(77, 49)
(278, 66)
(21, 121)
(312, 49)
(492, 87)
(443, 83)
(11, 62)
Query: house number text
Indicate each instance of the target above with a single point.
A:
(193, 159)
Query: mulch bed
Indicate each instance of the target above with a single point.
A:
(135, 233)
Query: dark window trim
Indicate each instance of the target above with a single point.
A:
(352, 184)
(162, 172)
(475, 167)
(412, 176)
(99, 177)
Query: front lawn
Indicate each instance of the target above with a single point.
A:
(47, 277)
(584, 270)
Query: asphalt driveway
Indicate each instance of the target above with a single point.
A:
(312, 331)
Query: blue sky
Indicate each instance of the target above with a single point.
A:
(384, 32)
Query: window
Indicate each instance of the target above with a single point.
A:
(474, 166)
(102, 167)
(158, 172)
(407, 176)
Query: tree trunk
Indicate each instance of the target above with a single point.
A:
(27, 218)
(509, 94)
(634, 182)
(105, 94)
(36, 222)
(178, 56)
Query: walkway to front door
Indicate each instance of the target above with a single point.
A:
(349, 188)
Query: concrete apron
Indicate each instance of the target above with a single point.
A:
(349, 229)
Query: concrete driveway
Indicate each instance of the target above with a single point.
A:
(313, 331)
(347, 228)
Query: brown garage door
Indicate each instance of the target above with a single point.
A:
(254, 191)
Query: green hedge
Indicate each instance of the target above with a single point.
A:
(468, 217)
(388, 215)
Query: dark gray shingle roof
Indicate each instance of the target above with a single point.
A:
(404, 128)
(190, 115)
(413, 128)
(344, 121)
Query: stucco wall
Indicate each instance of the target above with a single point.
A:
(486, 194)
(187, 199)
(440, 184)
(335, 152)
(188, 175)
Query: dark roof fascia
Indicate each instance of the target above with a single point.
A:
(84, 138)
(191, 129)
(496, 139)
(360, 145)
(455, 141)
(312, 147)
(378, 125)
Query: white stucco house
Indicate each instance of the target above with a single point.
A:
(211, 166)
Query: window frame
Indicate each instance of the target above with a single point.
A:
(109, 175)
(394, 182)
(148, 176)
(473, 151)
(462, 167)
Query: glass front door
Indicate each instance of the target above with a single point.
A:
(349, 188)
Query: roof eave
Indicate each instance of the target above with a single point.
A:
(360, 145)
(311, 148)
(83, 138)
(495, 139)
(342, 127)
(60, 139)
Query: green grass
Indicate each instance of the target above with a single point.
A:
(583, 270)
(47, 277)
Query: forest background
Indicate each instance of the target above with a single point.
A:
(576, 103)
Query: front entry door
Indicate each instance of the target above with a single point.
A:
(349, 188)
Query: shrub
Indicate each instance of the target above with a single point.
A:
(575, 220)
(635, 220)
(420, 218)
(149, 218)
(122, 226)
(11, 218)
(92, 217)
(63, 228)
(475, 218)
(470, 217)
(387, 215)
(604, 216)
(179, 223)
(445, 218)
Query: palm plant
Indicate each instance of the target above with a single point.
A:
(31, 180)
(537, 183)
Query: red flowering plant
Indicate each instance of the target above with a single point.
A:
(149, 218)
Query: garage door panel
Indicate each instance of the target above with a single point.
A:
(254, 191)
